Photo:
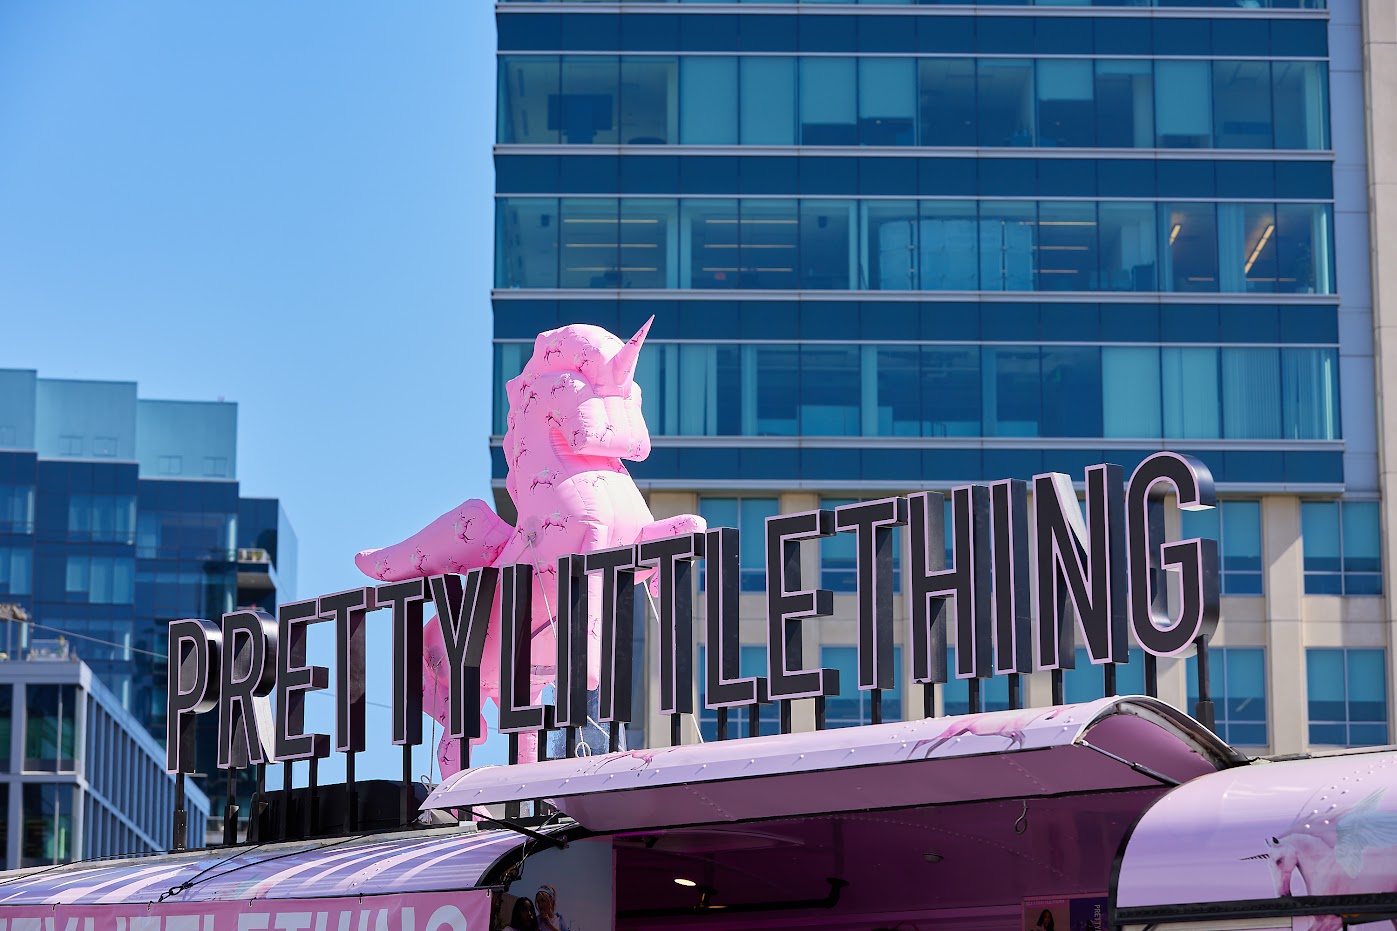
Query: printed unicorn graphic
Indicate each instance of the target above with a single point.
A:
(572, 494)
(1336, 846)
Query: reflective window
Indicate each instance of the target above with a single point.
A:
(528, 91)
(48, 824)
(1301, 98)
(1237, 684)
(1183, 104)
(526, 247)
(50, 728)
(1124, 96)
(1130, 391)
(648, 234)
(1347, 691)
(768, 235)
(828, 110)
(820, 243)
(891, 101)
(853, 706)
(16, 572)
(1343, 547)
(1236, 525)
(1066, 103)
(828, 255)
(585, 111)
(948, 240)
(1242, 104)
(589, 243)
(968, 390)
(768, 104)
(1251, 409)
(1067, 246)
(890, 244)
(946, 98)
(1005, 101)
(100, 579)
(708, 88)
(748, 516)
(751, 662)
(649, 111)
(887, 101)
(1190, 246)
(710, 230)
(16, 508)
(1008, 245)
(102, 518)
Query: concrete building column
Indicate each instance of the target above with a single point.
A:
(1284, 587)
(1379, 33)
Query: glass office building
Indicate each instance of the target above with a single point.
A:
(80, 777)
(119, 514)
(906, 245)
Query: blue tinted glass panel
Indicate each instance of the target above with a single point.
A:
(1005, 102)
(951, 403)
(887, 101)
(649, 104)
(827, 254)
(768, 108)
(1183, 105)
(528, 88)
(1319, 523)
(585, 111)
(708, 91)
(828, 106)
(1250, 400)
(946, 101)
(526, 253)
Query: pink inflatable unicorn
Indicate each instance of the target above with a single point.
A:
(574, 414)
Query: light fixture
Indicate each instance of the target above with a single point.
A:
(932, 857)
(1260, 244)
(680, 881)
(1174, 233)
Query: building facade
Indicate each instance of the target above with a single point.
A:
(119, 514)
(81, 777)
(894, 247)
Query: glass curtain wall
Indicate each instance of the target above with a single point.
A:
(776, 100)
(950, 390)
(770, 243)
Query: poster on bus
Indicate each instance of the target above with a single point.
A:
(1066, 913)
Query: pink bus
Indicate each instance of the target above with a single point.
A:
(1121, 812)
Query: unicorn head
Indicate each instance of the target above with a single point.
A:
(592, 363)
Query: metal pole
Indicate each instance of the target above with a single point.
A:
(230, 810)
(405, 816)
(351, 792)
(179, 828)
(1203, 710)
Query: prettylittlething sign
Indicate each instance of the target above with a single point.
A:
(1100, 570)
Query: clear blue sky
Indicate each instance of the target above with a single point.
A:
(286, 205)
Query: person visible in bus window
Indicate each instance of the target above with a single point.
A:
(1045, 921)
(548, 917)
(523, 918)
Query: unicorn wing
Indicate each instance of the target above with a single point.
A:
(467, 537)
(1362, 827)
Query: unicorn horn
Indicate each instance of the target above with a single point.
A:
(623, 365)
